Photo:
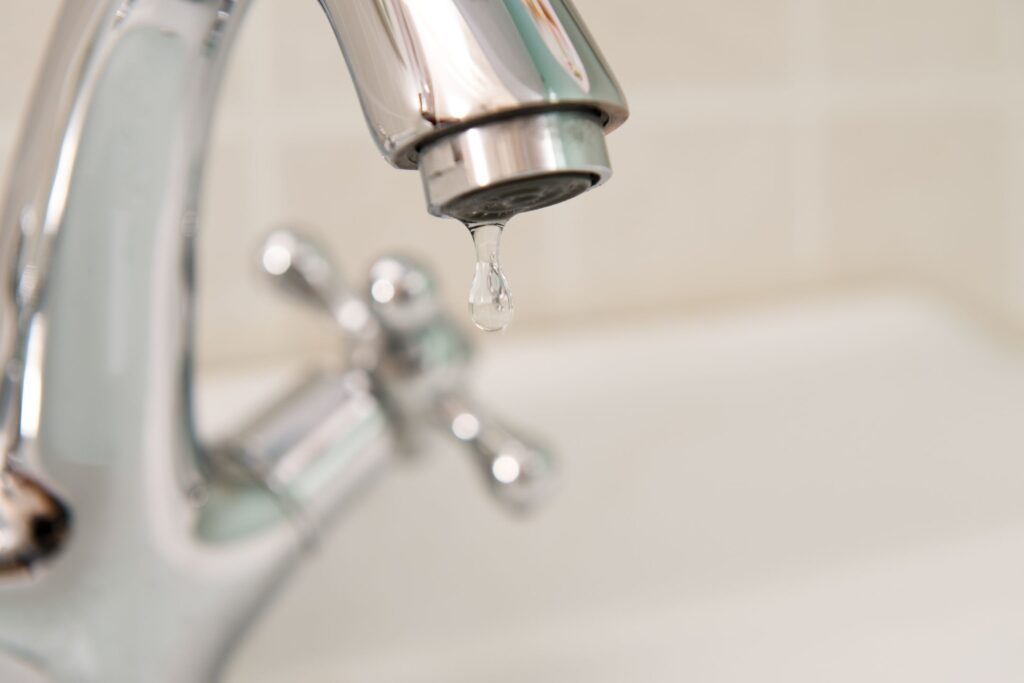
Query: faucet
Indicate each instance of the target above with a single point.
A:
(130, 550)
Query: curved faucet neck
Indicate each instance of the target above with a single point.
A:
(97, 270)
(102, 215)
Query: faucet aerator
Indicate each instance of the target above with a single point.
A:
(495, 170)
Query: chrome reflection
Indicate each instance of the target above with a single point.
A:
(96, 262)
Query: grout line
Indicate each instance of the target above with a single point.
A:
(266, 178)
(8, 149)
(788, 101)
(1014, 219)
(813, 234)
(785, 104)
(1013, 76)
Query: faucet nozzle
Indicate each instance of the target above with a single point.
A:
(494, 170)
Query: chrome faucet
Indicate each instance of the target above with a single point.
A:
(130, 551)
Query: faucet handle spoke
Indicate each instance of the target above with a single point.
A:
(301, 268)
(521, 474)
(424, 372)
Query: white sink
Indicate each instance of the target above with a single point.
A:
(824, 490)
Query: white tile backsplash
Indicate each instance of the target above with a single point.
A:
(772, 143)
(923, 194)
(882, 39)
(670, 43)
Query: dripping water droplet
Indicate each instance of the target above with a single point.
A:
(490, 298)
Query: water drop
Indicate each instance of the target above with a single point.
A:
(490, 298)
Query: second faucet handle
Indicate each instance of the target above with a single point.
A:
(418, 357)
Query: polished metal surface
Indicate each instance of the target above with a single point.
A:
(424, 68)
(304, 270)
(424, 376)
(129, 550)
(519, 471)
(417, 360)
(510, 97)
(493, 171)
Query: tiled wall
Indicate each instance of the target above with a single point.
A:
(773, 144)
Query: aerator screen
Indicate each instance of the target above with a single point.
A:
(501, 201)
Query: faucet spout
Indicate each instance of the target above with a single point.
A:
(502, 105)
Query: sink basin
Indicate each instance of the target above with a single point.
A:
(823, 490)
(829, 489)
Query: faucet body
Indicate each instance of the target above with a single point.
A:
(144, 553)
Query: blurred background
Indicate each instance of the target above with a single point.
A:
(773, 146)
(808, 274)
